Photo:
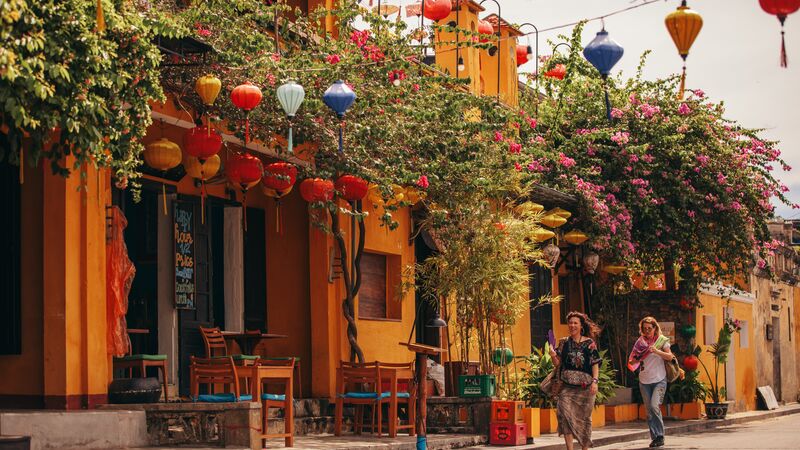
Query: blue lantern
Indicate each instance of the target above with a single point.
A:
(603, 53)
(339, 97)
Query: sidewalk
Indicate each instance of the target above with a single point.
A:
(631, 431)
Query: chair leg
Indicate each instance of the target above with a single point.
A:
(163, 368)
(412, 416)
(299, 388)
(393, 417)
(288, 416)
(337, 424)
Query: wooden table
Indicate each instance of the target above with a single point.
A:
(422, 352)
(248, 341)
(259, 374)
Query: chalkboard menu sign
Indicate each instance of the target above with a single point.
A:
(184, 255)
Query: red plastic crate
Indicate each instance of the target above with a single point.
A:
(507, 412)
(508, 433)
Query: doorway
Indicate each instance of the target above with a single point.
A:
(776, 357)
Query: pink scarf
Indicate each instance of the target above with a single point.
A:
(642, 348)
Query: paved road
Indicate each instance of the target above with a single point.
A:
(779, 433)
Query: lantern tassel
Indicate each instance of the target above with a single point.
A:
(608, 105)
(101, 20)
(244, 209)
(290, 146)
(784, 60)
(202, 194)
(246, 128)
(683, 83)
(341, 140)
(278, 216)
(164, 196)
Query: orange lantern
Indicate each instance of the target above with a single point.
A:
(485, 28)
(437, 10)
(351, 187)
(522, 54)
(201, 170)
(246, 97)
(317, 190)
(163, 155)
(683, 25)
(559, 71)
(244, 169)
(278, 180)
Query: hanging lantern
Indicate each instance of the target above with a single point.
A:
(559, 71)
(551, 253)
(290, 96)
(690, 362)
(317, 190)
(163, 155)
(688, 331)
(486, 29)
(414, 195)
(374, 195)
(603, 53)
(339, 97)
(502, 356)
(277, 195)
(351, 187)
(208, 87)
(246, 97)
(590, 262)
(576, 237)
(437, 10)
(553, 221)
(781, 9)
(541, 235)
(201, 170)
(560, 212)
(202, 142)
(522, 54)
(535, 208)
(244, 170)
(398, 195)
(279, 176)
(683, 25)
(614, 269)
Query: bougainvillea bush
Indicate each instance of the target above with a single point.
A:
(668, 180)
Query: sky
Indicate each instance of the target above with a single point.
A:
(735, 58)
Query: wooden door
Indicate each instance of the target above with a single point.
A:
(540, 284)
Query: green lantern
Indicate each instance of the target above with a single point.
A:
(502, 356)
(688, 331)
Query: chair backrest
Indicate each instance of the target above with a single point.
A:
(364, 379)
(404, 373)
(213, 371)
(214, 342)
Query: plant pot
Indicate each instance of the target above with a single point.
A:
(599, 416)
(134, 390)
(684, 411)
(548, 423)
(716, 410)
(532, 420)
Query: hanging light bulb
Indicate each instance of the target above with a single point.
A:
(551, 254)
(461, 64)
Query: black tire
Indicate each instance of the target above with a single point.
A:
(134, 390)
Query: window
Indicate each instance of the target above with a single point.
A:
(380, 281)
(10, 301)
(744, 335)
(570, 291)
(709, 329)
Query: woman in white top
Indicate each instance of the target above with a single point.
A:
(649, 353)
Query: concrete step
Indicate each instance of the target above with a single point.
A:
(77, 430)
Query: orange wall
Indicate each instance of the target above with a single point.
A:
(446, 57)
(507, 69)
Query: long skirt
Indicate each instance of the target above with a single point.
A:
(574, 413)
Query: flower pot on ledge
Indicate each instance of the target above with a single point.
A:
(716, 410)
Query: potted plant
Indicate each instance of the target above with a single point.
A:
(687, 393)
(539, 365)
(716, 409)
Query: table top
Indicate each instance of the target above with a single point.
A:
(138, 331)
(422, 348)
(245, 335)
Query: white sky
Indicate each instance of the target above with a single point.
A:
(734, 59)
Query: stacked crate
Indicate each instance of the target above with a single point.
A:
(507, 423)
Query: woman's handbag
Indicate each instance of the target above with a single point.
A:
(674, 371)
(576, 378)
(552, 384)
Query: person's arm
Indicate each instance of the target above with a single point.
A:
(595, 377)
(665, 354)
(555, 358)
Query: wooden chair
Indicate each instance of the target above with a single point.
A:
(394, 377)
(217, 347)
(357, 386)
(142, 361)
(213, 372)
(280, 401)
(295, 359)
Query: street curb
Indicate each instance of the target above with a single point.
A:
(679, 428)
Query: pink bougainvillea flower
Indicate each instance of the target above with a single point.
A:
(359, 37)
(423, 182)
(397, 75)
(616, 113)
(275, 57)
(514, 148)
(498, 136)
(684, 109)
(691, 213)
(416, 87)
(532, 122)
(621, 137)
(699, 93)
(565, 160)
(517, 166)
(333, 59)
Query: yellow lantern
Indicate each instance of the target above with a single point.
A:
(202, 171)
(208, 87)
(414, 195)
(542, 235)
(614, 269)
(553, 220)
(399, 195)
(560, 212)
(162, 154)
(683, 25)
(374, 195)
(576, 237)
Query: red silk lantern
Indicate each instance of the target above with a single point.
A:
(202, 142)
(437, 10)
(246, 97)
(780, 8)
(485, 27)
(279, 176)
(522, 54)
(352, 188)
(243, 169)
(317, 190)
(685, 304)
(690, 362)
(558, 72)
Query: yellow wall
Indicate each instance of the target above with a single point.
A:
(507, 69)
(744, 358)
(446, 55)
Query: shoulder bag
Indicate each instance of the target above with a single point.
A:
(674, 371)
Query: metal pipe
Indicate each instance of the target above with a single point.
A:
(499, 26)
(536, 62)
